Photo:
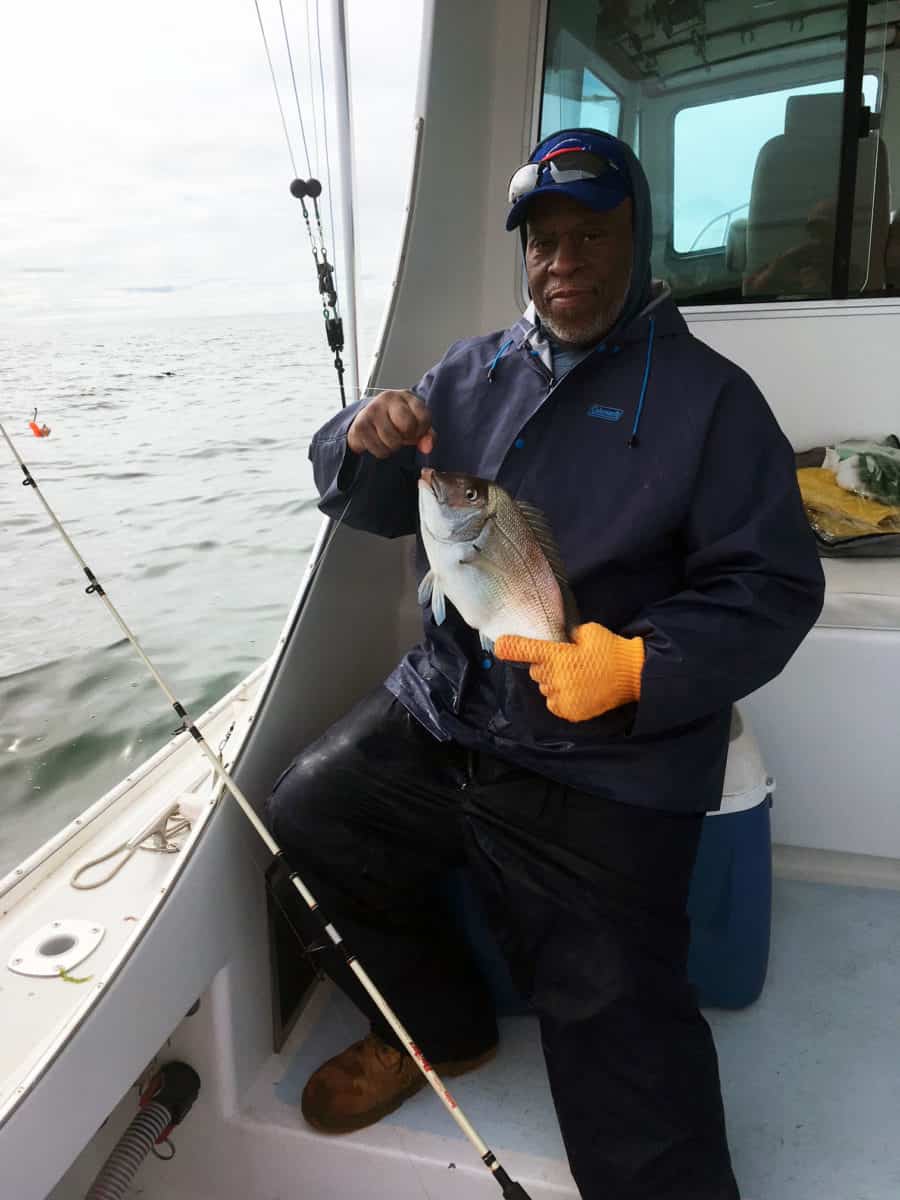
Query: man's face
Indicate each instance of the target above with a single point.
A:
(578, 264)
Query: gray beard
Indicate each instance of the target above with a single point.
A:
(586, 332)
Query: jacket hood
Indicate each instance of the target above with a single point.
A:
(528, 328)
(639, 289)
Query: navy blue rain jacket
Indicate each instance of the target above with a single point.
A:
(692, 537)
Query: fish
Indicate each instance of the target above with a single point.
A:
(494, 558)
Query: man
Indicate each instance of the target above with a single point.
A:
(577, 803)
(804, 269)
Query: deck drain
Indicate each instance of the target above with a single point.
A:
(56, 947)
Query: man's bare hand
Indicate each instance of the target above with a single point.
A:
(390, 421)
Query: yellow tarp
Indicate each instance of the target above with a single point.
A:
(837, 513)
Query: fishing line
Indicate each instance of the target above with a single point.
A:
(872, 216)
(510, 1189)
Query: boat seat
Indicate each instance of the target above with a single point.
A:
(827, 723)
(861, 594)
(794, 190)
(736, 247)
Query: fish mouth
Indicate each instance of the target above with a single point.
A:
(431, 481)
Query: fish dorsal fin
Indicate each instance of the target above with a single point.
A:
(540, 527)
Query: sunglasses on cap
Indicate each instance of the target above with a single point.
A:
(567, 166)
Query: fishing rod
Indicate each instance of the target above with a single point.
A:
(510, 1189)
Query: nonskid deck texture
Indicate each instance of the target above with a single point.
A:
(810, 1072)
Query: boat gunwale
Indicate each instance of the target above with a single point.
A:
(42, 856)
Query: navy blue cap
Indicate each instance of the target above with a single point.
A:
(601, 194)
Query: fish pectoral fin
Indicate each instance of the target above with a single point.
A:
(438, 604)
(425, 588)
(475, 548)
(430, 590)
(486, 642)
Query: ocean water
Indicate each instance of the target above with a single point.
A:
(178, 463)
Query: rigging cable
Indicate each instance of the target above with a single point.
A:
(287, 136)
(311, 188)
(324, 117)
(511, 1190)
(312, 96)
(287, 46)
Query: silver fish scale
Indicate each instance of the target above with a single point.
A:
(517, 584)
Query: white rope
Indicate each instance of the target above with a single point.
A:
(163, 835)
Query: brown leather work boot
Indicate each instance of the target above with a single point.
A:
(367, 1081)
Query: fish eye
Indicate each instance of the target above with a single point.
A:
(471, 494)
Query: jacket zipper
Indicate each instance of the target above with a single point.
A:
(537, 365)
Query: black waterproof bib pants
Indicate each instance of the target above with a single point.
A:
(587, 899)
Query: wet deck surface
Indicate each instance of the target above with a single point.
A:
(810, 1073)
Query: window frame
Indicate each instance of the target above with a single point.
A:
(853, 63)
(616, 83)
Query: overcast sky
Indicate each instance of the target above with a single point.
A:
(144, 164)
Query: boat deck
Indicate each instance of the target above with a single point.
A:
(809, 1072)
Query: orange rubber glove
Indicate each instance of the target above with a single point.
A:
(584, 678)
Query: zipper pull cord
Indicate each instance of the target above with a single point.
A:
(634, 441)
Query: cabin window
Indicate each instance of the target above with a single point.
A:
(716, 147)
(576, 98)
(759, 192)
